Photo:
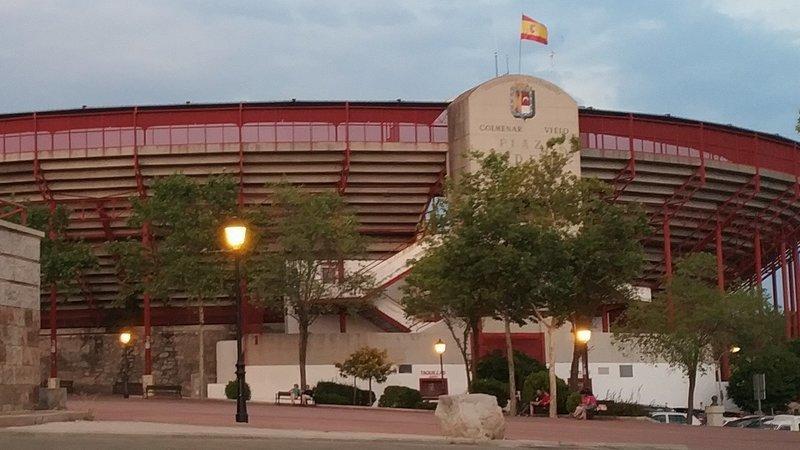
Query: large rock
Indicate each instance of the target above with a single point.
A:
(474, 416)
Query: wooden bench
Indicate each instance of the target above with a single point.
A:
(159, 390)
(280, 395)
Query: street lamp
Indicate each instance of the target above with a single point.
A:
(733, 349)
(235, 238)
(125, 338)
(440, 347)
(583, 335)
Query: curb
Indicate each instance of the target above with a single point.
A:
(243, 432)
(42, 417)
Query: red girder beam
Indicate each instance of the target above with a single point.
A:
(732, 206)
(345, 175)
(105, 220)
(683, 193)
(785, 285)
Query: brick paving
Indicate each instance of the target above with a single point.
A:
(378, 420)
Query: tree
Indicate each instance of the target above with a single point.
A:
(303, 233)
(606, 255)
(706, 321)
(779, 364)
(366, 363)
(63, 261)
(439, 286)
(185, 217)
(501, 243)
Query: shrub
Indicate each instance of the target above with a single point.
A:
(541, 380)
(232, 390)
(623, 408)
(400, 397)
(573, 400)
(779, 365)
(491, 387)
(494, 366)
(330, 393)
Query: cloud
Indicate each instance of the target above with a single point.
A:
(774, 16)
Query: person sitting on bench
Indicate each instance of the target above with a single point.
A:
(542, 400)
(295, 393)
(307, 395)
(587, 407)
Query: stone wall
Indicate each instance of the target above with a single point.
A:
(19, 316)
(93, 359)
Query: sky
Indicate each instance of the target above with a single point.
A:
(727, 61)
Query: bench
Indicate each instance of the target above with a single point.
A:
(158, 390)
(280, 395)
(133, 388)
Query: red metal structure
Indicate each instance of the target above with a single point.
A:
(706, 187)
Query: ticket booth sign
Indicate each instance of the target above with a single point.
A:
(432, 388)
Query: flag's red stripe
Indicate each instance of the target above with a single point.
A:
(533, 37)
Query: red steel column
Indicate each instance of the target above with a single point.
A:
(796, 291)
(668, 264)
(148, 356)
(774, 285)
(720, 262)
(785, 285)
(792, 290)
(53, 338)
(757, 252)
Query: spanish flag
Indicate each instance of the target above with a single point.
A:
(533, 30)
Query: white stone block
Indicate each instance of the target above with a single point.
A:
(473, 416)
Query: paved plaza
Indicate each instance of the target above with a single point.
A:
(306, 428)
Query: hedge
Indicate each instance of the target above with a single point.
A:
(232, 390)
(400, 397)
(491, 387)
(541, 380)
(330, 393)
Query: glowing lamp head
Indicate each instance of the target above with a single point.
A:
(583, 336)
(439, 347)
(125, 337)
(735, 349)
(235, 235)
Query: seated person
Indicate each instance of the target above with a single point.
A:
(587, 406)
(307, 395)
(295, 393)
(541, 400)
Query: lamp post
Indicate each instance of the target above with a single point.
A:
(125, 338)
(440, 347)
(733, 349)
(235, 236)
(583, 336)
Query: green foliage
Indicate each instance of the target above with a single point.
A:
(624, 409)
(573, 400)
(706, 322)
(492, 387)
(310, 231)
(63, 260)
(541, 380)
(185, 218)
(366, 363)
(232, 390)
(494, 366)
(330, 393)
(400, 397)
(781, 369)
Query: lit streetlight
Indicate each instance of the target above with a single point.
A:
(235, 238)
(583, 336)
(125, 338)
(439, 347)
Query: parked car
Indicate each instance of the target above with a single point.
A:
(743, 422)
(673, 417)
(783, 422)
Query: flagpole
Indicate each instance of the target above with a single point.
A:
(519, 59)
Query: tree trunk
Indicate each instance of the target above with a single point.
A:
(369, 393)
(355, 391)
(692, 373)
(551, 370)
(475, 331)
(576, 357)
(512, 386)
(202, 349)
(303, 326)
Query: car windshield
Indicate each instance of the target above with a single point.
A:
(677, 418)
